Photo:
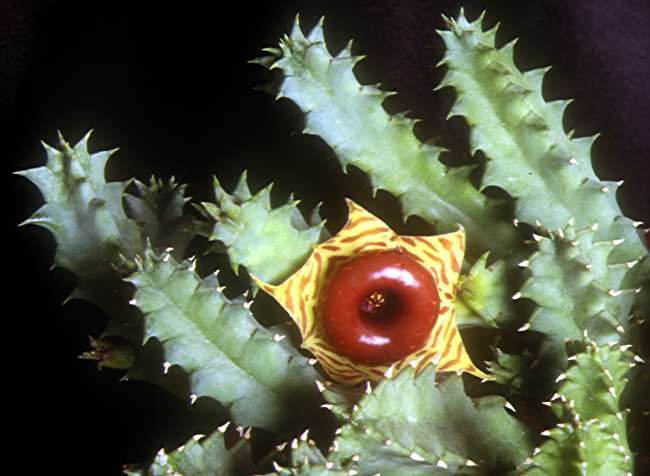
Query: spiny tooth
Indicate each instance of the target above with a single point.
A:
(524, 263)
(441, 464)
(416, 457)
(516, 296)
(389, 371)
(278, 337)
(560, 377)
(573, 161)
(525, 327)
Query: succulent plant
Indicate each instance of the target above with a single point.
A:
(368, 371)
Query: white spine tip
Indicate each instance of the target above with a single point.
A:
(368, 388)
(470, 463)
(441, 464)
(388, 442)
(390, 371)
(278, 337)
(193, 398)
(637, 224)
(515, 222)
(524, 263)
(294, 443)
(197, 437)
(536, 237)
(509, 406)
(277, 467)
(638, 359)
(166, 366)
(594, 227)
(312, 361)
(516, 296)
(224, 427)
(573, 161)
(133, 302)
(304, 435)
(525, 327)
(560, 377)
(614, 293)
(545, 433)
(329, 465)
(604, 190)
(320, 385)
(327, 406)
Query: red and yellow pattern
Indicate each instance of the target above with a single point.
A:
(364, 232)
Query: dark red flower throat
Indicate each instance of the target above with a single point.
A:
(378, 308)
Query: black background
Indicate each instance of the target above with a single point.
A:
(169, 84)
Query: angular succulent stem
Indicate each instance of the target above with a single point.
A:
(350, 118)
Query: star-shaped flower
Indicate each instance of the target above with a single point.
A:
(405, 316)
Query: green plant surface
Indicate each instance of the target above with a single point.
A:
(413, 425)
(270, 242)
(84, 213)
(591, 436)
(157, 208)
(227, 355)
(201, 456)
(350, 118)
(568, 276)
(546, 171)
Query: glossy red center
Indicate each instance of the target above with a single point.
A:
(379, 307)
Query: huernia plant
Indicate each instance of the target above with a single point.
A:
(375, 317)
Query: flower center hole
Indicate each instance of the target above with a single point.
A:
(380, 306)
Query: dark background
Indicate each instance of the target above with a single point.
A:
(169, 85)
